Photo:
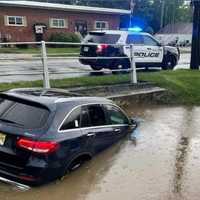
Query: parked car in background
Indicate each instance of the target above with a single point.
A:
(148, 52)
(46, 133)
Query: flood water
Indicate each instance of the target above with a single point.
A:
(162, 164)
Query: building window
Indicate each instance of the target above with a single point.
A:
(15, 21)
(101, 25)
(58, 23)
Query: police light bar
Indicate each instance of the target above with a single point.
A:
(135, 29)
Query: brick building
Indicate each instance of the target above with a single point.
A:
(26, 20)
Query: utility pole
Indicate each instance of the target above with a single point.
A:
(195, 55)
(174, 12)
(132, 6)
(162, 14)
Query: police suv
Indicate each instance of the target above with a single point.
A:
(148, 52)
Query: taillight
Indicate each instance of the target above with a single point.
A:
(101, 48)
(37, 146)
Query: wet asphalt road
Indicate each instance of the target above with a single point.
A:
(163, 163)
(23, 68)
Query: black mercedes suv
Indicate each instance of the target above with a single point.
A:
(46, 133)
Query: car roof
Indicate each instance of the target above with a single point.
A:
(119, 32)
(51, 97)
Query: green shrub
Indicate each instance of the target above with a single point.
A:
(64, 37)
(22, 46)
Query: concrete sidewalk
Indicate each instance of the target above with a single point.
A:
(14, 56)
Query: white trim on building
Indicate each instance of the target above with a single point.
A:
(101, 25)
(58, 23)
(15, 20)
(64, 7)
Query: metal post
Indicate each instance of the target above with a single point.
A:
(46, 82)
(133, 66)
(195, 54)
(162, 14)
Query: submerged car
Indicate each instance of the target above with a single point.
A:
(44, 134)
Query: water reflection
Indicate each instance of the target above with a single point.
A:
(182, 151)
(150, 164)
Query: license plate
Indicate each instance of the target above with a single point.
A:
(86, 49)
(2, 139)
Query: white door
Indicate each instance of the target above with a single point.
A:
(155, 51)
(146, 49)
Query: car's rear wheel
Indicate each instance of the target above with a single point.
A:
(96, 68)
(74, 165)
(78, 162)
(121, 65)
(169, 63)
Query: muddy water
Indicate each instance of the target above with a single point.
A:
(163, 163)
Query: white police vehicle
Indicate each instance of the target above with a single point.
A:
(148, 52)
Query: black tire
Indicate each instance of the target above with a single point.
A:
(96, 68)
(75, 165)
(78, 162)
(169, 63)
(124, 64)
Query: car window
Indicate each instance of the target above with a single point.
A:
(27, 115)
(148, 41)
(97, 115)
(115, 115)
(135, 39)
(85, 119)
(73, 120)
(102, 38)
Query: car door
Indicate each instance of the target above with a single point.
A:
(153, 49)
(146, 48)
(73, 139)
(118, 120)
(97, 129)
(138, 46)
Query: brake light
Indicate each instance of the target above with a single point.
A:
(37, 146)
(101, 48)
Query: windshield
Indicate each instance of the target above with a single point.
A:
(24, 115)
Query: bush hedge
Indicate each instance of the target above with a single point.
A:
(64, 37)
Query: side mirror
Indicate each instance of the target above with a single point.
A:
(133, 123)
(161, 43)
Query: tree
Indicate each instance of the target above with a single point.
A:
(174, 11)
(143, 13)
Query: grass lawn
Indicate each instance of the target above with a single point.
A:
(183, 85)
(70, 82)
(61, 51)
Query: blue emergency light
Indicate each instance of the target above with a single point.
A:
(135, 29)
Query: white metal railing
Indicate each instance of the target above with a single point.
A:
(44, 57)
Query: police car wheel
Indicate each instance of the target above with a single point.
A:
(117, 67)
(121, 66)
(169, 63)
(96, 68)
